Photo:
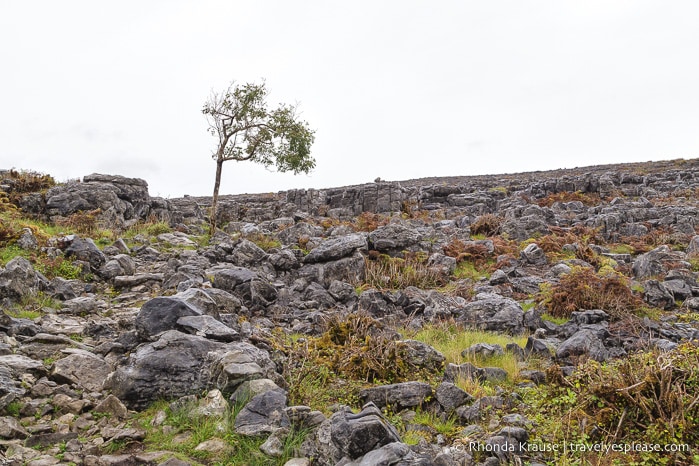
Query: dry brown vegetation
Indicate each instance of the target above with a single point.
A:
(386, 272)
(83, 222)
(583, 288)
(587, 199)
(487, 225)
(24, 182)
(369, 221)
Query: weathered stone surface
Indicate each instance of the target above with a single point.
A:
(392, 453)
(657, 295)
(398, 396)
(422, 355)
(111, 405)
(18, 364)
(178, 364)
(82, 368)
(654, 263)
(18, 279)
(451, 397)
(213, 404)
(354, 435)
(208, 327)
(264, 414)
(534, 255)
(86, 250)
(472, 413)
(119, 265)
(336, 248)
(348, 269)
(176, 239)
(490, 311)
(584, 342)
(161, 314)
(251, 388)
(10, 428)
(231, 278)
(10, 387)
(484, 350)
(127, 281)
(393, 238)
(118, 198)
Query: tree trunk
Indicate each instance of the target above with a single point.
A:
(214, 200)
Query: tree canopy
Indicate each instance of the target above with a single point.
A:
(247, 129)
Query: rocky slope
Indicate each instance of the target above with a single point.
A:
(301, 333)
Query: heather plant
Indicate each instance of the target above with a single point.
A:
(645, 398)
(488, 225)
(584, 288)
(386, 272)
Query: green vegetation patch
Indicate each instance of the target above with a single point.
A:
(184, 428)
(386, 272)
(646, 398)
(353, 352)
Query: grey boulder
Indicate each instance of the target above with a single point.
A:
(336, 248)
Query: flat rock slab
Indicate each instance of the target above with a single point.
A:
(83, 369)
(178, 364)
(336, 248)
(44, 440)
(264, 414)
(128, 281)
(176, 239)
(161, 314)
(19, 364)
(398, 396)
(208, 327)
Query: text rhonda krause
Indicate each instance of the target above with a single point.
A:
(515, 447)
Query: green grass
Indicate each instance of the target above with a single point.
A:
(31, 307)
(466, 269)
(13, 408)
(621, 249)
(10, 252)
(149, 229)
(527, 305)
(58, 267)
(447, 427)
(554, 319)
(198, 428)
(450, 340)
(264, 242)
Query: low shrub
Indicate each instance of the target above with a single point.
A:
(488, 225)
(646, 398)
(264, 242)
(58, 266)
(24, 182)
(583, 288)
(386, 272)
(355, 349)
(369, 221)
(8, 233)
(84, 222)
(588, 199)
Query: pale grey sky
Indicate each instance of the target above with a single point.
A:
(396, 89)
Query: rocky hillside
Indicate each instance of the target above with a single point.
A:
(536, 318)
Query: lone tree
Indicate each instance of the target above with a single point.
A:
(248, 130)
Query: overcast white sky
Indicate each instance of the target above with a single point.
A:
(396, 89)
